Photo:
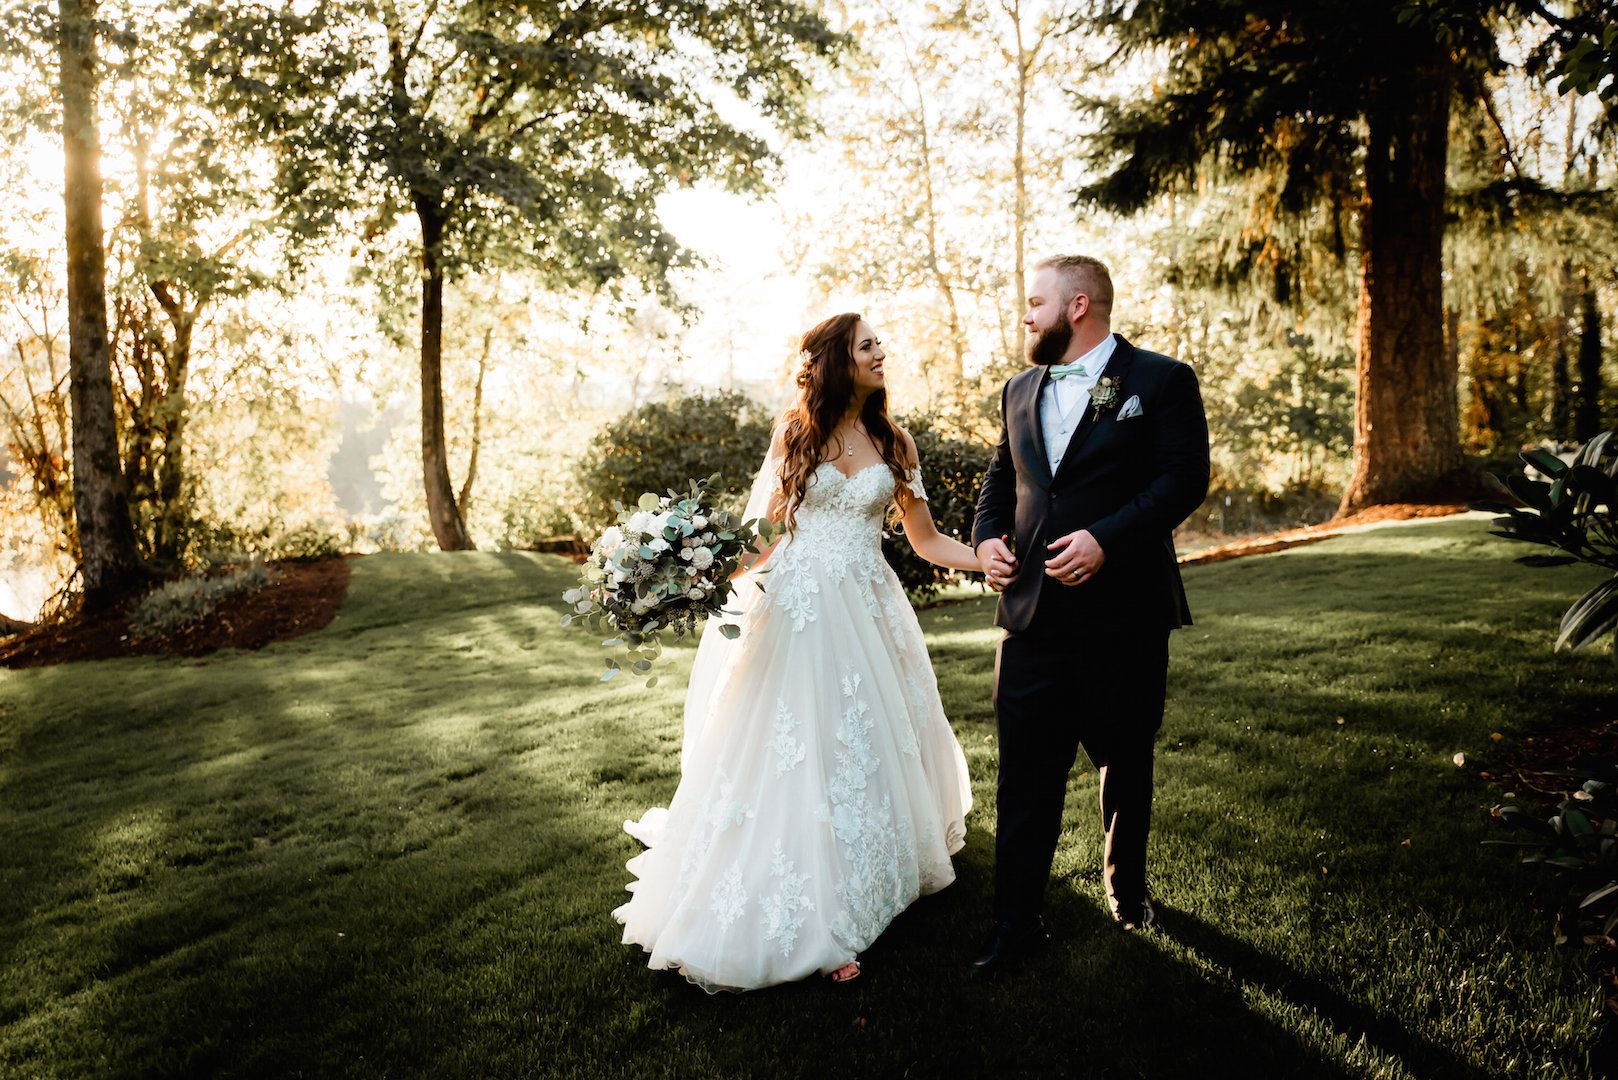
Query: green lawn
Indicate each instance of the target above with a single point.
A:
(391, 848)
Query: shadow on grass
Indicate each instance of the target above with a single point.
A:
(393, 847)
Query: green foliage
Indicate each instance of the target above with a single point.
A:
(1589, 62)
(176, 604)
(1285, 416)
(211, 542)
(536, 133)
(1578, 847)
(661, 445)
(646, 584)
(952, 469)
(1575, 512)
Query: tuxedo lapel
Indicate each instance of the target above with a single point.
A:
(1117, 366)
(1036, 429)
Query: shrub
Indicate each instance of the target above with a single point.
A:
(1576, 514)
(1578, 847)
(212, 543)
(952, 468)
(179, 603)
(665, 445)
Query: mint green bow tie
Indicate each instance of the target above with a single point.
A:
(1062, 371)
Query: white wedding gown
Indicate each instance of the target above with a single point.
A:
(821, 788)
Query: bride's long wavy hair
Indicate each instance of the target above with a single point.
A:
(825, 387)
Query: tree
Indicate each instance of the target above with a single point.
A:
(188, 221)
(1334, 105)
(950, 182)
(536, 133)
(109, 563)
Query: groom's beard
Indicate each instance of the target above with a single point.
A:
(1047, 346)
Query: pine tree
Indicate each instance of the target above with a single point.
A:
(1322, 107)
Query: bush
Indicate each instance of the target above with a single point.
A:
(1574, 512)
(952, 469)
(667, 444)
(1232, 509)
(212, 543)
(183, 601)
(1578, 847)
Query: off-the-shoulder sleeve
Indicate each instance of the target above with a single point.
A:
(914, 485)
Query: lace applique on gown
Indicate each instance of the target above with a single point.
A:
(822, 789)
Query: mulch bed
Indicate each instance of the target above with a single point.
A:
(1534, 764)
(1535, 770)
(302, 597)
(1310, 534)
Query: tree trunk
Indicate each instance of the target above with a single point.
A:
(442, 510)
(1019, 173)
(1587, 418)
(172, 507)
(477, 426)
(1406, 422)
(109, 563)
(1561, 378)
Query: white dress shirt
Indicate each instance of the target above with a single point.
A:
(1062, 402)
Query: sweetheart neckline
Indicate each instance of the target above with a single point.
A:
(848, 477)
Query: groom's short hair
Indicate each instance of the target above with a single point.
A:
(1082, 274)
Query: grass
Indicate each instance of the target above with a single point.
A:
(391, 848)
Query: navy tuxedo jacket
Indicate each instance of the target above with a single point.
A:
(1130, 482)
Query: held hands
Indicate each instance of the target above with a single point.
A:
(1074, 558)
(997, 562)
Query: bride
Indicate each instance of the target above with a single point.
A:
(821, 788)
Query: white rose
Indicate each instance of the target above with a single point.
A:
(685, 553)
(695, 594)
(701, 558)
(690, 571)
(610, 541)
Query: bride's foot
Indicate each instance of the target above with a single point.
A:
(846, 973)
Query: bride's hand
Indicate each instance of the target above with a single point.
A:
(998, 564)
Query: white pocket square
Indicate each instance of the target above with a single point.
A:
(1131, 408)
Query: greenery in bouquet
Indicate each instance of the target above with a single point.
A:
(663, 568)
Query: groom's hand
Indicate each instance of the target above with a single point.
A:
(1074, 558)
(999, 565)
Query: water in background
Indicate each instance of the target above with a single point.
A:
(24, 588)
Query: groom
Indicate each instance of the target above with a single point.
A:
(1103, 451)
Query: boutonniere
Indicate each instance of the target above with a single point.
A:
(1105, 395)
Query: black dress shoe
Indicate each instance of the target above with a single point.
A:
(1143, 918)
(1008, 942)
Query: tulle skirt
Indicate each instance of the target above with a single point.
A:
(821, 791)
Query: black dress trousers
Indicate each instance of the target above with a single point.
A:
(1098, 687)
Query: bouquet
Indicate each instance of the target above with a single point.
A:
(661, 570)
